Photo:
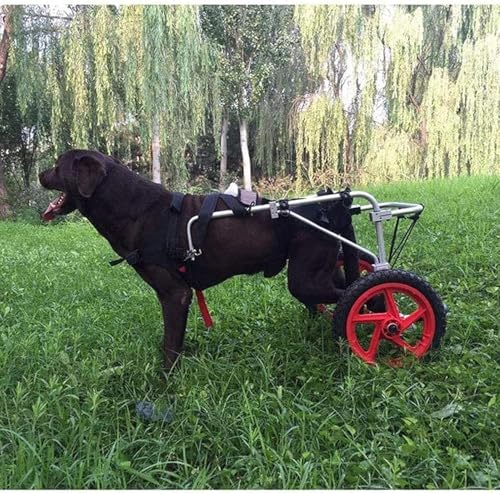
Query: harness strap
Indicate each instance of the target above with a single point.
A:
(207, 209)
(232, 203)
(161, 247)
(171, 243)
(176, 203)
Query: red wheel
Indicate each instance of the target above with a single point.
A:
(390, 310)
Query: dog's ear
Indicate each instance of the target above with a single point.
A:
(89, 174)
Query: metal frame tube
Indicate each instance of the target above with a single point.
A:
(403, 208)
(333, 234)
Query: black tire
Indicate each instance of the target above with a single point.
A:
(364, 291)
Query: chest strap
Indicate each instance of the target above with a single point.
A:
(172, 247)
(161, 247)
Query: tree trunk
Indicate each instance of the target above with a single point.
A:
(5, 42)
(5, 210)
(155, 150)
(349, 156)
(223, 152)
(247, 166)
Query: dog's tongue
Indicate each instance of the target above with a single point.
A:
(49, 214)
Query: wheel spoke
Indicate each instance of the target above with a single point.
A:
(391, 305)
(371, 353)
(407, 321)
(397, 340)
(373, 317)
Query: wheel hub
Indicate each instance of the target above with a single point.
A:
(391, 329)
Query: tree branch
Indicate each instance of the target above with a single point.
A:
(47, 16)
(422, 64)
(413, 101)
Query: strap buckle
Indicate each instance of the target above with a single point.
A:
(192, 254)
(133, 258)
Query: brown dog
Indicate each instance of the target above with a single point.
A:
(129, 211)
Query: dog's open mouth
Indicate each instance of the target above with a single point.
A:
(54, 208)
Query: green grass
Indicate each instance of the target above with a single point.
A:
(267, 399)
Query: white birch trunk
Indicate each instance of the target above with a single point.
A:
(155, 150)
(247, 166)
(223, 152)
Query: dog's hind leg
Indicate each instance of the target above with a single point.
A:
(311, 266)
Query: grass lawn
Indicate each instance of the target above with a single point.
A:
(267, 399)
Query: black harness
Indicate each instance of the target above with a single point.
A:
(162, 246)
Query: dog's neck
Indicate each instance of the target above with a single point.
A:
(121, 206)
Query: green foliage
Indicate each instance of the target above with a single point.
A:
(331, 36)
(439, 108)
(106, 68)
(77, 80)
(391, 156)
(258, 65)
(173, 79)
(311, 81)
(440, 66)
(479, 102)
(320, 136)
(266, 399)
(105, 44)
(404, 37)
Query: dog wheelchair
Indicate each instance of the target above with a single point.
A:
(386, 313)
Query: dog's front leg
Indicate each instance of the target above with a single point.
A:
(175, 307)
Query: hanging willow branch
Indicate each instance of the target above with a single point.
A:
(439, 68)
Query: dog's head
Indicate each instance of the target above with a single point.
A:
(77, 174)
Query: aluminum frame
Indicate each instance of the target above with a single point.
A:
(380, 212)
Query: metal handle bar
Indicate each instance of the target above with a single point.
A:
(403, 208)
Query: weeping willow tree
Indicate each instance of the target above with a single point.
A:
(332, 121)
(260, 76)
(143, 68)
(479, 92)
(274, 151)
(425, 83)
(77, 60)
(34, 32)
(320, 137)
(175, 80)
